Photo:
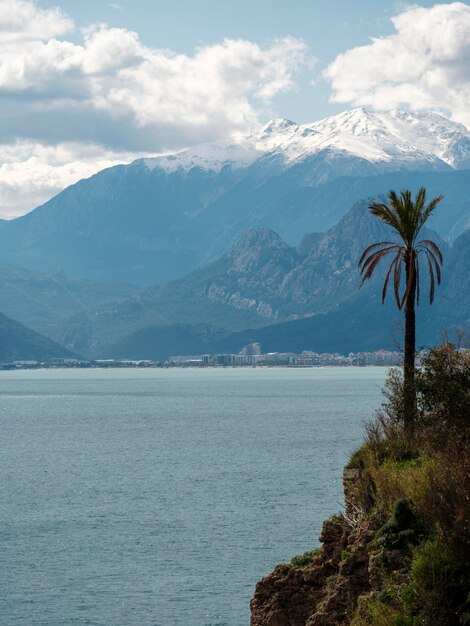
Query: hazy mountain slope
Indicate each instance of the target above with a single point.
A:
(353, 327)
(121, 224)
(351, 320)
(42, 301)
(234, 292)
(157, 219)
(20, 343)
(359, 323)
(161, 342)
(453, 303)
(293, 210)
(362, 323)
(463, 222)
(259, 281)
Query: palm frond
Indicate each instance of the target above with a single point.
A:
(417, 281)
(371, 263)
(372, 247)
(387, 277)
(406, 216)
(384, 213)
(435, 263)
(420, 199)
(428, 243)
(411, 278)
(425, 213)
(431, 278)
(437, 268)
(366, 262)
(397, 279)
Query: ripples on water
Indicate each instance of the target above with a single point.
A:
(159, 497)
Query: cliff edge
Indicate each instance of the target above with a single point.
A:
(399, 554)
(322, 588)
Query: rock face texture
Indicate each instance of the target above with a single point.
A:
(325, 591)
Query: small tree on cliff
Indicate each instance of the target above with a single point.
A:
(406, 218)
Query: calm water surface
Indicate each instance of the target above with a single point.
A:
(159, 497)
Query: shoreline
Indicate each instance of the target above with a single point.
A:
(195, 368)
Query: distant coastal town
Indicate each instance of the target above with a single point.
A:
(250, 356)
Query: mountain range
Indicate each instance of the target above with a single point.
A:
(358, 323)
(158, 219)
(216, 246)
(288, 298)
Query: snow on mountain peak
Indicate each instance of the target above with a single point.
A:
(394, 138)
(278, 125)
(210, 156)
(274, 134)
(389, 140)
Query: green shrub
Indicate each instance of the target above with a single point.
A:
(373, 611)
(400, 480)
(393, 407)
(305, 558)
(438, 590)
(443, 392)
(402, 530)
(387, 440)
(421, 483)
(442, 386)
(358, 458)
(436, 487)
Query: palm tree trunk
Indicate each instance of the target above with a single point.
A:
(409, 393)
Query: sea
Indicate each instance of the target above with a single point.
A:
(160, 496)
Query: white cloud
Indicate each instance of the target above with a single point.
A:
(425, 64)
(110, 91)
(112, 72)
(32, 173)
(22, 20)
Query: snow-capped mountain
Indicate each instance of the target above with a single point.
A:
(389, 140)
(209, 156)
(394, 138)
(157, 219)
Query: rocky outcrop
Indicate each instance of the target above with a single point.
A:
(325, 590)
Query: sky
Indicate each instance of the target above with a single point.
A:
(86, 85)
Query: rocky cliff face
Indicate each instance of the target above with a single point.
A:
(325, 590)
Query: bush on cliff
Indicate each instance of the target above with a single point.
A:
(419, 486)
(434, 594)
(402, 529)
(399, 554)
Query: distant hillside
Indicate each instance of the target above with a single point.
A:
(361, 324)
(261, 280)
(42, 301)
(161, 342)
(453, 299)
(20, 343)
(357, 322)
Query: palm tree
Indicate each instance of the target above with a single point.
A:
(406, 218)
